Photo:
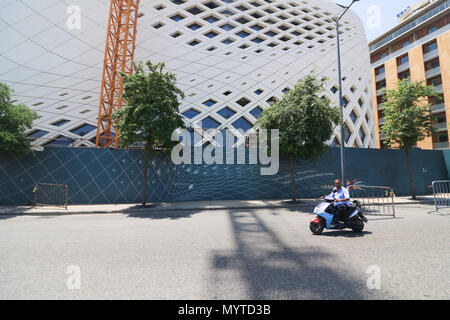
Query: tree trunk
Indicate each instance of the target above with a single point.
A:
(147, 150)
(294, 197)
(411, 181)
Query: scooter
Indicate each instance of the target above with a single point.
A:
(355, 219)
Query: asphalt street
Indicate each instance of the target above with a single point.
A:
(223, 254)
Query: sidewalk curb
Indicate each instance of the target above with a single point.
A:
(158, 209)
(144, 211)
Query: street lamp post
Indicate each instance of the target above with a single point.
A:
(341, 100)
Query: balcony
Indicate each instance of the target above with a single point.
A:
(402, 51)
(381, 121)
(381, 107)
(403, 67)
(433, 72)
(440, 126)
(436, 108)
(430, 55)
(380, 91)
(439, 88)
(441, 145)
(380, 77)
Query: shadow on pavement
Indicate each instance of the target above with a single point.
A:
(175, 215)
(8, 216)
(344, 233)
(268, 268)
(301, 207)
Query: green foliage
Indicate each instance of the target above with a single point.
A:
(407, 114)
(15, 120)
(151, 113)
(305, 120)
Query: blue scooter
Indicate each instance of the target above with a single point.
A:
(355, 219)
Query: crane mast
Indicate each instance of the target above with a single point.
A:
(119, 55)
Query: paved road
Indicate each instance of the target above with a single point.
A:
(239, 254)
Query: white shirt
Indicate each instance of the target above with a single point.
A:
(339, 195)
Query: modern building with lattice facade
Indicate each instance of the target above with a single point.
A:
(417, 48)
(232, 59)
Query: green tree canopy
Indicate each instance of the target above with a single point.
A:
(407, 117)
(407, 114)
(151, 113)
(305, 120)
(15, 120)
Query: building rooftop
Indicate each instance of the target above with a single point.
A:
(424, 14)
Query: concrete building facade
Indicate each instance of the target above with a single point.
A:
(418, 48)
(232, 58)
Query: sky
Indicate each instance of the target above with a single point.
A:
(378, 15)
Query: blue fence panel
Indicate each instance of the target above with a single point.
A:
(115, 176)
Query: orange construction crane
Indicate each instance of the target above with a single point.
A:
(119, 55)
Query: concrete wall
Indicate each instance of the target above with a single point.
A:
(115, 176)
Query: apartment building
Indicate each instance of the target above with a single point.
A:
(417, 48)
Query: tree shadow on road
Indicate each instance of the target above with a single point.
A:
(162, 215)
(268, 268)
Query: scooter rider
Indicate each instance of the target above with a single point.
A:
(341, 198)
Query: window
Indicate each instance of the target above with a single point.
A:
(443, 137)
(257, 112)
(433, 64)
(190, 114)
(435, 81)
(381, 85)
(432, 47)
(380, 70)
(380, 100)
(37, 134)
(403, 60)
(226, 113)
(404, 75)
(432, 29)
(405, 43)
(441, 118)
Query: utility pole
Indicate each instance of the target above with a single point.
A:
(341, 99)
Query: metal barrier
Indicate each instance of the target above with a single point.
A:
(46, 194)
(376, 201)
(441, 193)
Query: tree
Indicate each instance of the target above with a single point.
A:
(151, 113)
(407, 117)
(305, 122)
(15, 120)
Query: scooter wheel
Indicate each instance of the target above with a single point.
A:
(316, 228)
(358, 226)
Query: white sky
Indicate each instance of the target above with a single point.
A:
(378, 15)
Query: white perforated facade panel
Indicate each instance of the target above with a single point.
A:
(231, 58)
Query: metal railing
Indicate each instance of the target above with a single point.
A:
(431, 55)
(376, 201)
(440, 125)
(380, 77)
(438, 107)
(439, 88)
(380, 92)
(403, 67)
(441, 194)
(441, 145)
(433, 72)
(46, 194)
